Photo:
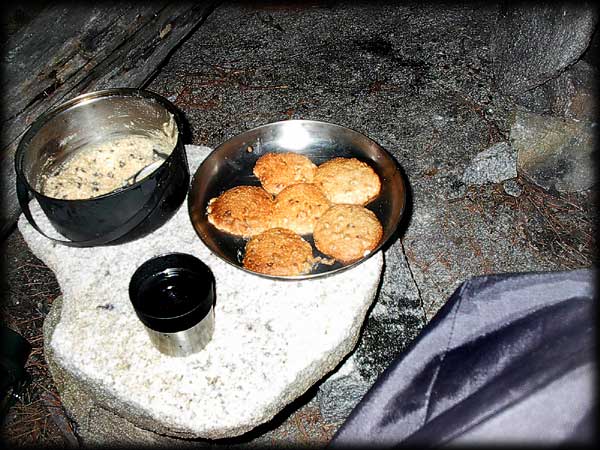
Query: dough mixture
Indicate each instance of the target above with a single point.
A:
(102, 167)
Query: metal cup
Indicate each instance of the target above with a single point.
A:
(173, 296)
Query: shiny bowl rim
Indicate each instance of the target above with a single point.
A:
(310, 276)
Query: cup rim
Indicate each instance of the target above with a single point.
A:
(136, 282)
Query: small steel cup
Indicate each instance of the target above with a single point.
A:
(173, 295)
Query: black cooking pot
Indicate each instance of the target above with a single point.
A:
(122, 215)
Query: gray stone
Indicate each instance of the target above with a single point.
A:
(592, 54)
(553, 152)
(576, 92)
(94, 423)
(493, 165)
(573, 94)
(539, 99)
(512, 188)
(449, 241)
(341, 392)
(396, 318)
(273, 339)
(457, 190)
(535, 41)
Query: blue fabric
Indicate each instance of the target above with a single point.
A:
(508, 359)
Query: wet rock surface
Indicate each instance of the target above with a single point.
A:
(418, 79)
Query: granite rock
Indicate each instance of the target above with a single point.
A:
(493, 165)
(272, 341)
(554, 153)
(512, 188)
(576, 92)
(95, 424)
(535, 41)
(573, 94)
(396, 318)
(341, 392)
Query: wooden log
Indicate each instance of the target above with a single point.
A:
(71, 48)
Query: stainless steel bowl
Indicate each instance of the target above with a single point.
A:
(231, 164)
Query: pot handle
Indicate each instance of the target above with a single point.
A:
(24, 198)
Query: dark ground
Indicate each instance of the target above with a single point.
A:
(416, 79)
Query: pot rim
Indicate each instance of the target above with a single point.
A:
(54, 111)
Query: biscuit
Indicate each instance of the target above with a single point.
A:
(278, 170)
(298, 207)
(278, 251)
(347, 232)
(348, 180)
(243, 211)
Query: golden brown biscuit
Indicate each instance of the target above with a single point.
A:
(348, 180)
(347, 232)
(278, 170)
(278, 252)
(242, 210)
(298, 207)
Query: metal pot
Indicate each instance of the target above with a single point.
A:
(126, 213)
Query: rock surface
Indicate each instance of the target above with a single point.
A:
(97, 423)
(493, 165)
(394, 321)
(273, 339)
(554, 152)
(576, 92)
(512, 188)
(415, 77)
(573, 94)
(535, 41)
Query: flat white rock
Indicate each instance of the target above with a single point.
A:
(272, 341)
